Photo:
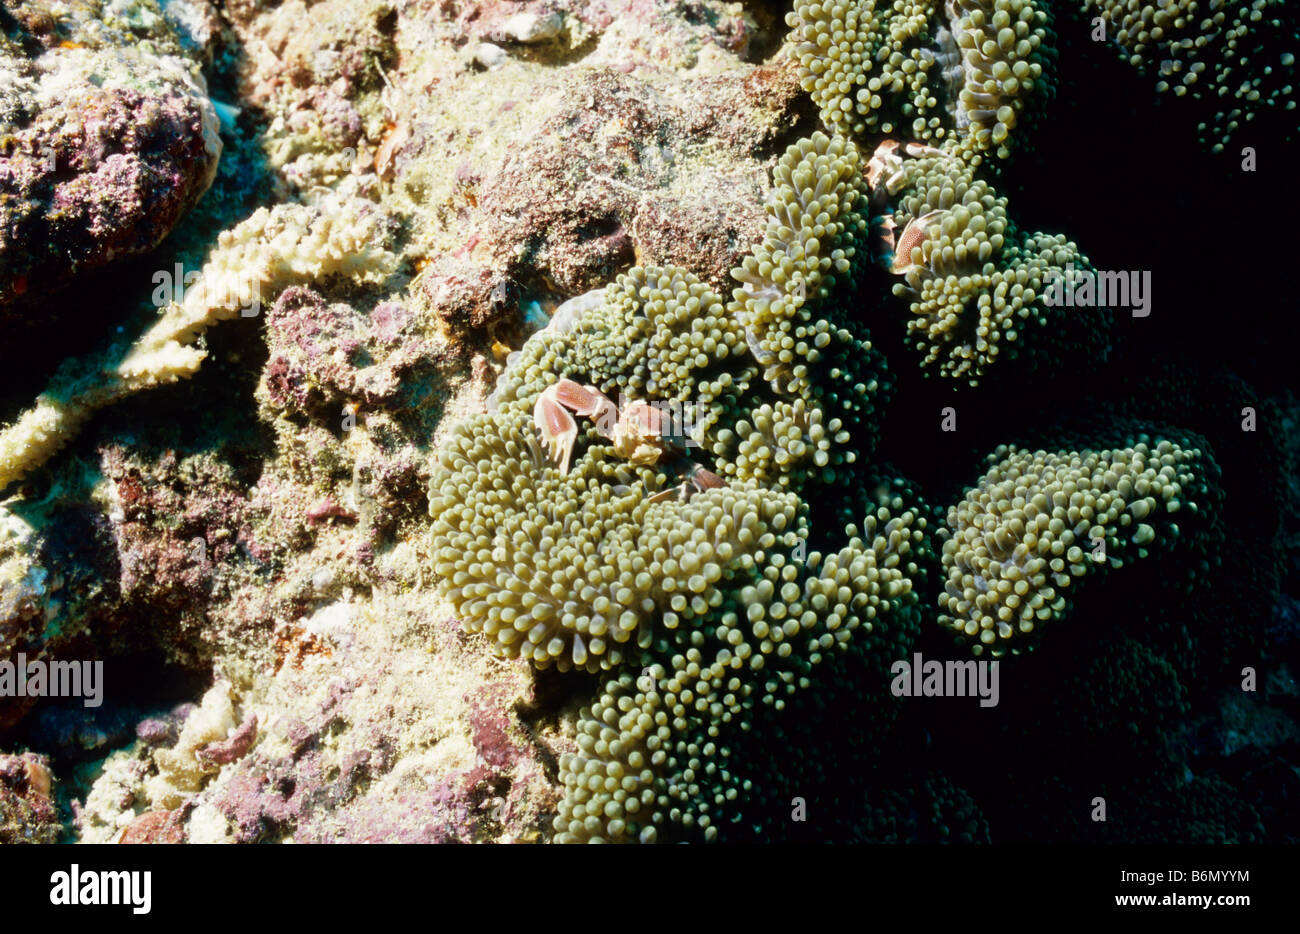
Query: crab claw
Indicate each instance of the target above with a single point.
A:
(556, 426)
(588, 402)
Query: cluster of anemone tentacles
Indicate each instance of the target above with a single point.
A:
(972, 72)
(708, 606)
(1040, 522)
(964, 80)
(1235, 58)
(977, 287)
(742, 570)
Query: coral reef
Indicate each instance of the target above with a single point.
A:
(427, 747)
(609, 413)
(267, 253)
(27, 811)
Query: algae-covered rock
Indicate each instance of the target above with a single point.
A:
(104, 151)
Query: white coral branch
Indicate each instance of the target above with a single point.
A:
(291, 244)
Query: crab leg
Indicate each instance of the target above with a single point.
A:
(696, 479)
(703, 479)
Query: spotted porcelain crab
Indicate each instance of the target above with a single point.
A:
(913, 235)
(886, 177)
(638, 433)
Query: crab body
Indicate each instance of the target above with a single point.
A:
(637, 432)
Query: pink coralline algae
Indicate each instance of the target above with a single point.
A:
(327, 356)
(466, 293)
(341, 768)
(156, 827)
(226, 751)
